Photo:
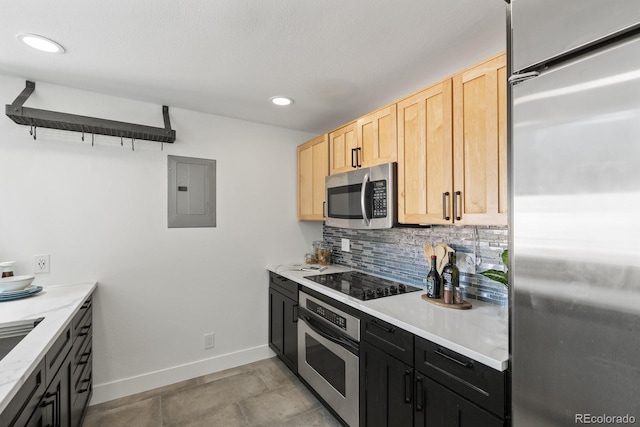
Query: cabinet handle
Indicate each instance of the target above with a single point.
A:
(420, 396)
(358, 157)
(84, 330)
(455, 204)
(445, 196)
(407, 386)
(87, 355)
(86, 305)
(384, 328)
(54, 398)
(353, 162)
(84, 390)
(295, 313)
(453, 359)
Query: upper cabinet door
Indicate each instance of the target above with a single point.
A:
(425, 158)
(342, 149)
(480, 144)
(544, 29)
(377, 137)
(313, 167)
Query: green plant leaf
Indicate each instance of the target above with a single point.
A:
(498, 276)
(505, 257)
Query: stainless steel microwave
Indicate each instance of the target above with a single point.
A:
(362, 198)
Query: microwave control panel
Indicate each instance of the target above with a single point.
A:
(379, 199)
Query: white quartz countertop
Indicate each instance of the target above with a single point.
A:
(480, 333)
(57, 305)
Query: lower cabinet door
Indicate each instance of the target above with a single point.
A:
(437, 406)
(290, 326)
(386, 389)
(276, 321)
(283, 328)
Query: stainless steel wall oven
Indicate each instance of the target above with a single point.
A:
(328, 355)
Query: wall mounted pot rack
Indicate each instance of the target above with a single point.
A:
(54, 120)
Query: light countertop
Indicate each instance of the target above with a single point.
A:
(57, 305)
(480, 333)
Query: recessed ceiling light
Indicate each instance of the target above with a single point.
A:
(281, 100)
(40, 43)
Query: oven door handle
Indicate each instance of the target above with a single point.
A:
(319, 329)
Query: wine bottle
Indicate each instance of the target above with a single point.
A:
(451, 274)
(433, 280)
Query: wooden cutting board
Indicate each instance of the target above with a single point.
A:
(466, 305)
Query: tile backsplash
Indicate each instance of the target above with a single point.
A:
(397, 253)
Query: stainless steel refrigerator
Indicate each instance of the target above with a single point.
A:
(574, 211)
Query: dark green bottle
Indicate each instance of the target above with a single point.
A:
(451, 274)
(433, 280)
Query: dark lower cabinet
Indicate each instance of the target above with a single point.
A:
(283, 320)
(49, 397)
(438, 406)
(409, 381)
(386, 389)
(56, 401)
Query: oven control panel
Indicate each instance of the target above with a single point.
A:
(327, 314)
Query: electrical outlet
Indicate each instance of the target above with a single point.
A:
(346, 245)
(209, 341)
(41, 264)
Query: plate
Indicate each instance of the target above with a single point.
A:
(22, 293)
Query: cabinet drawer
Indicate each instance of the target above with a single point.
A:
(81, 357)
(284, 286)
(57, 353)
(82, 331)
(479, 383)
(82, 388)
(389, 338)
(82, 318)
(26, 401)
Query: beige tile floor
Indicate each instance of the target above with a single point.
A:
(260, 394)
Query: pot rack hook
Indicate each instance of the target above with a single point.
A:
(121, 142)
(82, 133)
(34, 132)
(133, 144)
(92, 140)
(31, 130)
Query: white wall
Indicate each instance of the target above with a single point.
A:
(101, 213)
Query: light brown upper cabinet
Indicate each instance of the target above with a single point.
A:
(452, 149)
(425, 156)
(313, 167)
(342, 148)
(480, 143)
(371, 140)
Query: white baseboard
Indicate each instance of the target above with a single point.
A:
(133, 385)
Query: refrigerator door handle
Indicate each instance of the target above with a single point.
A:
(519, 78)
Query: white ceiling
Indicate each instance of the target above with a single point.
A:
(338, 59)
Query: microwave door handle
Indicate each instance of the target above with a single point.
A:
(363, 190)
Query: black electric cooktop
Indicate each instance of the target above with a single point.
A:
(362, 286)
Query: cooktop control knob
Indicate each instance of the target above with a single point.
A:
(370, 293)
(394, 290)
(379, 292)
